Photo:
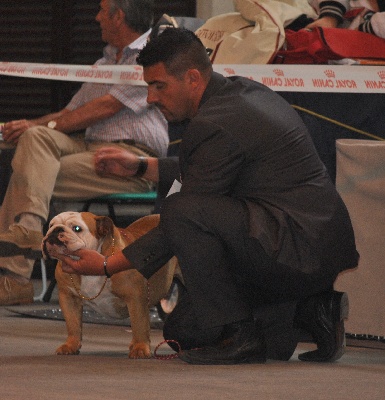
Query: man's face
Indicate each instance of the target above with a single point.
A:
(173, 96)
(107, 22)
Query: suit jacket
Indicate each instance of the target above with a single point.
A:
(247, 142)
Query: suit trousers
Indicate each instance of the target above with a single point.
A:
(49, 164)
(227, 274)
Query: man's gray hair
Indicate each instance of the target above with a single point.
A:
(139, 14)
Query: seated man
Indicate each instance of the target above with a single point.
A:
(258, 228)
(49, 162)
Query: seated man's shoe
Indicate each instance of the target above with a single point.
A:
(12, 292)
(18, 240)
(323, 317)
(241, 344)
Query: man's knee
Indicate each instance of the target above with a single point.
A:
(33, 134)
(36, 130)
(206, 212)
(177, 207)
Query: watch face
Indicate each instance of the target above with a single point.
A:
(51, 124)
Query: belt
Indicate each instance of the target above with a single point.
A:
(140, 146)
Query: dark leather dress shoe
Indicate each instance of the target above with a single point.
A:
(245, 344)
(323, 317)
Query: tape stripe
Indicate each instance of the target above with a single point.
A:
(290, 78)
(112, 74)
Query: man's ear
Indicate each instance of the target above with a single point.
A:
(194, 77)
(120, 16)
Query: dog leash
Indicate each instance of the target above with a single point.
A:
(168, 356)
(167, 341)
(80, 294)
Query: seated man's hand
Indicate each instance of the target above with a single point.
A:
(13, 129)
(324, 22)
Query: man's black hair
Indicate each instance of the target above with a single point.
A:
(179, 49)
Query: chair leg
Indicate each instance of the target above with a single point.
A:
(48, 294)
(43, 280)
(111, 212)
(86, 206)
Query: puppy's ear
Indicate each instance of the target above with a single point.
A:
(104, 227)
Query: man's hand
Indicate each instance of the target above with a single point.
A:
(82, 262)
(324, 22)
(115, 162)
(90, 262)
(13, 129)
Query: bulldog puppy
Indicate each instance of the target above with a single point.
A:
(125, 294)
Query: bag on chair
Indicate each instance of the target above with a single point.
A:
(254, 33)
(319, 45)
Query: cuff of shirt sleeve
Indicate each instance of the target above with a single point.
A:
(366, 27)
(332, 9)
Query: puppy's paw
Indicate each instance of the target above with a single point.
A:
(140, 350)
(69, 348)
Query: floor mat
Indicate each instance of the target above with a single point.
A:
(53, 312)
(89, 315)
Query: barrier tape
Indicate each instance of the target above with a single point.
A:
(112, 74)
(289, 78)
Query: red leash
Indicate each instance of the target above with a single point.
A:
(169, 356)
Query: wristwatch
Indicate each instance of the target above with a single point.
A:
(52, 124)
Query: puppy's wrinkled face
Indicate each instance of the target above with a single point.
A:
(68, 232)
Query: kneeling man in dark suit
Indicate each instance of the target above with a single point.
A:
(258, 228)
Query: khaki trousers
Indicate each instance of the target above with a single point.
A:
(49, 164)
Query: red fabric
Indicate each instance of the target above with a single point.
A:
(351, 14)
(319, 45)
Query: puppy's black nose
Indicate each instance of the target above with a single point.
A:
(53, 236)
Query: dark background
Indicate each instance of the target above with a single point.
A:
(52, 31)
(65, 32)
